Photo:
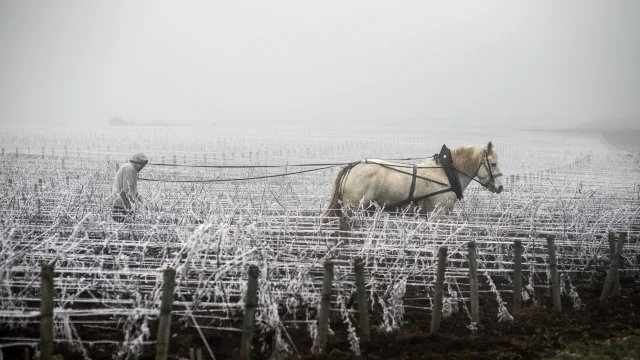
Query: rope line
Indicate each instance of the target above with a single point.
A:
(239, 179)
(324, 166)
(246, 166)
(272, 166)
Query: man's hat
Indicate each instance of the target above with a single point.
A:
(139, 158)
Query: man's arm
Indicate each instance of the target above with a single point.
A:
(130, 187)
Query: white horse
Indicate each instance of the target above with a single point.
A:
(423, 187)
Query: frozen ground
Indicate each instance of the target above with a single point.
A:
(575, 188)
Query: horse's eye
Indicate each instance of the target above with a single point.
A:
(493, 164)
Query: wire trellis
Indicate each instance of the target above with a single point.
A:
(108, 274)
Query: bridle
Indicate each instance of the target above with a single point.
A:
(487, 165)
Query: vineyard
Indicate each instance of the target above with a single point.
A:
(109, 276)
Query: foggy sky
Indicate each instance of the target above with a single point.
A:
(318, 62)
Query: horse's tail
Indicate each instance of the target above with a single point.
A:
(333, 204)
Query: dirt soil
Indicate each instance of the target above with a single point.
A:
(535, 333)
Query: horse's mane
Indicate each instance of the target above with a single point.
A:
(467, 157)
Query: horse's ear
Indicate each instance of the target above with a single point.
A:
(489, 147)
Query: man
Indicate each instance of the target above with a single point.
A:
(125, 187)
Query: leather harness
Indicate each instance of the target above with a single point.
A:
(445, 160)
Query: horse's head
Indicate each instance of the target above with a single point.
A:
(489, 171)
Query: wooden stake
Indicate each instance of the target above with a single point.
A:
(323, 320)
(363, 309)
(164, 319)
(553, 269)
(613, 269)
(46, 312)
(622, 238)
(616, 277)
(517, 281)
(249, 312)
(437, 303)
(473, 282)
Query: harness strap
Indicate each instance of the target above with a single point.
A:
(416, 176)
(446, 160)
(452, 176)
(347, 169)
(432, 194)
(408, 201)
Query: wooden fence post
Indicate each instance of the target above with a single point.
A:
(323, 320)
(613, 269)
(612, 248)
(473, 282)
(249, 312)
(553, 269)
(46, 312)
(436, 313)
(363, 309)
(517, 281)
(164, 319)
(622, 238)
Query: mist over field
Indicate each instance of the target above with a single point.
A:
(414, 64)
(270, 179)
